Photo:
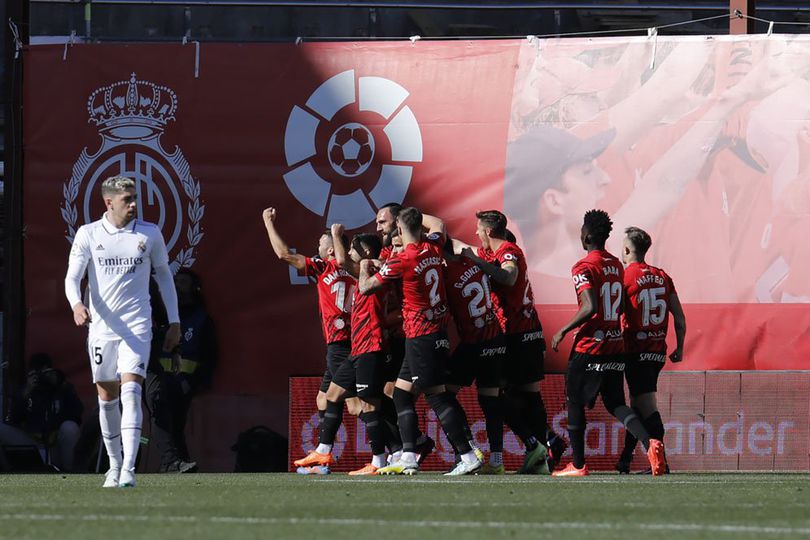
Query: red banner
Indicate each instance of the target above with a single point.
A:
(706, 146)
(714, 422)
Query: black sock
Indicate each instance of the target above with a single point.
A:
(406, 418)
(388, 414)
(320, 418)
(630, 443)
(534, 411)
(493, 413)
(514, 419)
(654, 426)
(452, 418)
(632, 423)
(332, 418)
(576, 432)
(375, 431)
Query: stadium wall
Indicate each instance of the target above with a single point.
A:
(703, 141)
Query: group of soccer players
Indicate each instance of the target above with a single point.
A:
(413, 279)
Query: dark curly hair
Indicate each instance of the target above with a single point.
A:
(598, 225)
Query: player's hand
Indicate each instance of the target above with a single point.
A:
(676, 356)
(172, 339)
(555, 341)
(81, 315)
(269, 215)
(469, 253)
(175, 362)
(337, 230)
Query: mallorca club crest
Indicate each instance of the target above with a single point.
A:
(131, 117)
(351, 148)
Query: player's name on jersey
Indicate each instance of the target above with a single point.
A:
(466, 276)
(118, 265)
(428, 262)
(610, 270)
(332, 276)
(650, 278)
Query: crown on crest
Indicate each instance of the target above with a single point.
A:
(133, 108)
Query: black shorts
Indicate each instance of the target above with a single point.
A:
(369, 369)
(336, 353)
(642, 372)
(589, 376)
(393, 363)
(426, 360)
(525, 354)
(479, 362)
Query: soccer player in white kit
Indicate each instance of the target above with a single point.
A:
(119, 252)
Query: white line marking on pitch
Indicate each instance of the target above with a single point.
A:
(239, 520)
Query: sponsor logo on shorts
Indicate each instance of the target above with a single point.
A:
(606, 366)
(652, 357)
(443, 344)
(361, 387)
(493, 351)
(532, 336)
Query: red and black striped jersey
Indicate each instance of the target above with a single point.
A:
(335, 297)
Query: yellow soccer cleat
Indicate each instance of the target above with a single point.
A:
(490, 469)
(406, 468)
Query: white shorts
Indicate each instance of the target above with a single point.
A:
(110, 358)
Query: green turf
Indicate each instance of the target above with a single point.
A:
(280, 506)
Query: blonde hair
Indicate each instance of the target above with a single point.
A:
(116, 184)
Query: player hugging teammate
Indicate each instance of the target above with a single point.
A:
(485, 290)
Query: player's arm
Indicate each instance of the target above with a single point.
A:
(368, 282)
(341, 254)
(283, 252)
(587, 308)
(78, 260)
(505, 274)
(459, 246)
(434, 225)
(165, 280)
(679, 320)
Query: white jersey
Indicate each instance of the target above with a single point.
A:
(118, 263)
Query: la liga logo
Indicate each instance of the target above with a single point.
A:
(351, 148)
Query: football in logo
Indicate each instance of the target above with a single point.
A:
(351, 148)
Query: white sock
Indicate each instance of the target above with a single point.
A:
(408, 457)
(396, 456)
(324, 448)
(496, 458)
(469, 457)
(131, 420)
(109, 417)
(378, 460)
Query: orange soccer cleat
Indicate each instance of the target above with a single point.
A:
(657, 457)
(570, 470)
(367, 470)
(314, 458)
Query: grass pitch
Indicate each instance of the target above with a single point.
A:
(281, 506)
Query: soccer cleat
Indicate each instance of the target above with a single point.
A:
(368, 470)
(478, 453)
(535, 461)
(489, 468)
(424, 449)
(314, 458)
(316, 469)
(622, 467)
(570, 470)
(465, 468)
(406, 468)
(180, 466)
(127, 479)
(556, 448)
(658, 460)
(111, 478)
